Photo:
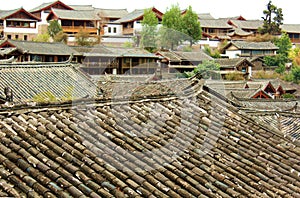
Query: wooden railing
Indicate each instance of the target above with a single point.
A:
(128, 31)
(77, 29)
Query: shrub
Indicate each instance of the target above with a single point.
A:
(234, 76)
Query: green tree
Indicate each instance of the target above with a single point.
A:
(213, 53)
(61, 37)
(170, 33)
(284, 44)
(83, 38)
(42, 38)
(296, 74)
(54, 28)
(273, 19)
(191, 26)
(149, 30)
(206, 69)
(294, 55)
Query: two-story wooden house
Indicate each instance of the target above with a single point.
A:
(28, 51)
(74, 21)
(130, 24)
(18, 24)
(215, 28)
(238, 66)
(102, 59)
(242, 29)
(293, 31)
(235, 49)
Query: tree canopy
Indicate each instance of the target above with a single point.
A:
(54, 28)
(273, 19)
(191, 26)
(284, 44)
(170, 33)
(149, 30)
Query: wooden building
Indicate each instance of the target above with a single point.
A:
(101, 59)
(18, 24)
(26, 51)
(179, 61)
(238, 66)
(235, 49)
(131, 23)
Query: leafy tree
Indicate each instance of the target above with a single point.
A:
(83, 38)
(213, 53)
(284, 44)
(127, 44)
(54, 28)
(191, 26)
(206, 69)
(42, 38)
(294, 55)
(172, 24)
(149, 27)
(61, 37)
(296, 74)
(272, 20)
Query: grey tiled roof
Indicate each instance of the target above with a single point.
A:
(192, 145)
(112, 13)
(194, 56)
(7, 13)
(253, 45)
(215, 23)
(32, 79)
(291, 28)
(131, 16)
(287, 121)
(42, 48)
(101, 50)
(231, 62)
(43, 5)
(82, 7)
(239, 32)
(178, 56)
(49, 5)
(205, 16)
(247, 24)
(76, 14)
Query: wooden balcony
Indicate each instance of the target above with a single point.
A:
(128, 31)
(76, 29)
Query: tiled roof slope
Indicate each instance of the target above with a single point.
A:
(215, 23)
(131, 16)
(253, 45)
(288, 122)
(187, 145)
(76, 14)
(291, 28)
(247, 24)
(30, 80)
(45, 48)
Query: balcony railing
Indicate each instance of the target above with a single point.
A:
(128, 31)
(78, 28)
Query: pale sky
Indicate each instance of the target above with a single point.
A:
(249, 9)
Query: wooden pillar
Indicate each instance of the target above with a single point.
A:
(130, 65)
